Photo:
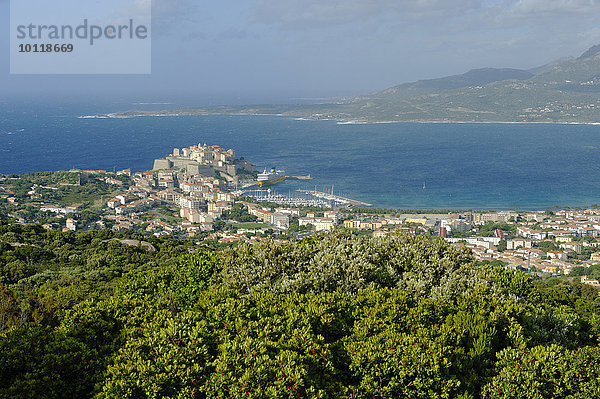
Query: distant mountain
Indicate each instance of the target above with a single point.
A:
(550, 65)
(567, 90)
(564, 91)
(592, 52)
(475, 77)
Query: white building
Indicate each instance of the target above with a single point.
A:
(280, 220)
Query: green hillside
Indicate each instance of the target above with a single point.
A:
(566, 92)
(333, 316)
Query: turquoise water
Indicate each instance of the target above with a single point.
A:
(404, 165)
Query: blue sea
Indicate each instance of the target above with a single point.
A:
(399, 165)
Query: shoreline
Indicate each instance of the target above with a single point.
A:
(374, 208)
(339, 121)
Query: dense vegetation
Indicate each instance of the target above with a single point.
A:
(34, 191)
(337, 316)
(59, 187)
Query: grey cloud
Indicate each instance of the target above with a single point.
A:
(168, 17)
(175, 10)
(309, 13)
(233, 34)
(299, 14)
(195, 36)
(169, 7)
(545, 14)
(556, 6)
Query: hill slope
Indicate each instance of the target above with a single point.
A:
(567, 91)
(475, 77)
(330, 316)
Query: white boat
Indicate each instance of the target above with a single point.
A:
(270, 177)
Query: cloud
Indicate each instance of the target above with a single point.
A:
(169, 7)
(135, 8)
(490, 32)
(556, 6)
(308, 14)
(233, 34)
(175, 17)
(311, 13)
(194, 36)
(568, 23)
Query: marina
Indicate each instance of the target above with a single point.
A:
(287, 200)
(304, 198)
(335, 198)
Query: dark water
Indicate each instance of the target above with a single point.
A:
(406, 165)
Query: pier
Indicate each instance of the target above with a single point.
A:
(336, 198)
(307, 177)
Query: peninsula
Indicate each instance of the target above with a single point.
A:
(565, 91)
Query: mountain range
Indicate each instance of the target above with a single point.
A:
(567, 90)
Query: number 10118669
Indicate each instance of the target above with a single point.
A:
(45, 48)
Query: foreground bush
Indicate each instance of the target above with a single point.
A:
(334, 316)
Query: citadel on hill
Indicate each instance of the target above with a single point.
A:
(206, 161)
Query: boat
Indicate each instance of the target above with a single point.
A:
(271, 177)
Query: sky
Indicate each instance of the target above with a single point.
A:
(262, 51)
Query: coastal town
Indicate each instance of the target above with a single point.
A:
(194, 192)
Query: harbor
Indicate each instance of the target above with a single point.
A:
(311, 198)
(308, 198)
(287, 200)
(334, 198)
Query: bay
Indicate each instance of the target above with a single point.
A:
(400, 165)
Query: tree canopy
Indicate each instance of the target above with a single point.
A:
(330, 316)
